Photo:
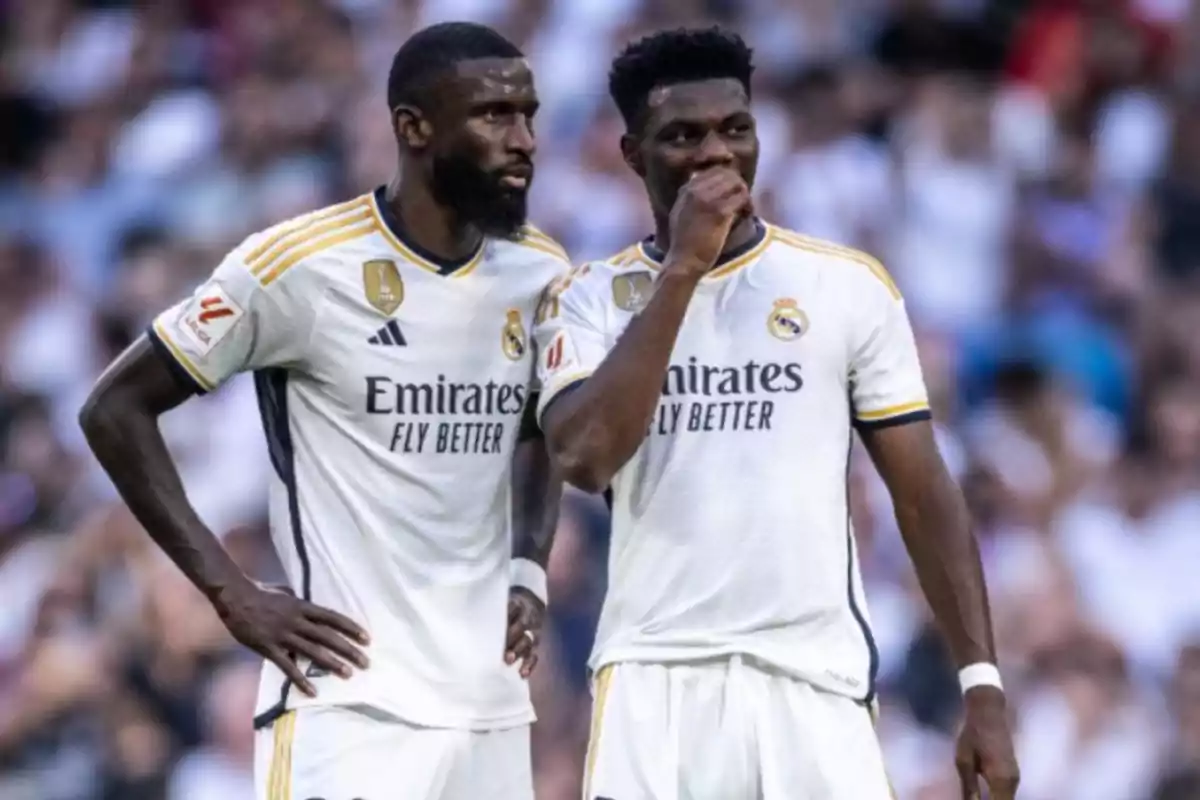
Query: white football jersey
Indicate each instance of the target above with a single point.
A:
(730, 525)
(392, 388)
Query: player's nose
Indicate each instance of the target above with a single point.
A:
(520, 138)
(713, 152)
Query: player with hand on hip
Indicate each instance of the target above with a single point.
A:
(414, 503)
(709, 379)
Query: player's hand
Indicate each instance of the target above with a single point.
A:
(704, 213)
(280, 627)
(985, 747)
(526, 613)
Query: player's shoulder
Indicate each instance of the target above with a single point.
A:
(844, 265)
(602, 271)
(622, 281)
(532, 246)
(287, 247)
(622, 266)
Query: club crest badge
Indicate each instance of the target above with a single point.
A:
(786, 321)
(512, 336)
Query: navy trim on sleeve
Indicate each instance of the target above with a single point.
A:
(570, 387)
(178, 370)
(891, 422)
(529, 422)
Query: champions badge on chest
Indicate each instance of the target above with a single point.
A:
(383, 285)
(632, 292)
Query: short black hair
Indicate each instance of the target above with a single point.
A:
(675, 56)
(439, 47)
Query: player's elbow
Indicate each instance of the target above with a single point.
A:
(580, 462)
(109, 414)
(580, 445)
(93, 414)
(100, 415)
(584, 476)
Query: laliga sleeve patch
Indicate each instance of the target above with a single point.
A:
(560, 354)
(208, 319)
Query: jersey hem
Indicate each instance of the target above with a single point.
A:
(176, 361)
(668, 657)
(508, 721)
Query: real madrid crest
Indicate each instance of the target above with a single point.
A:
(383, 285)
(632, 292)
(786, 321)
(512, 337)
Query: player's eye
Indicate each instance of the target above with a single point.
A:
(496, 112)
(739, 127)
(681, 135)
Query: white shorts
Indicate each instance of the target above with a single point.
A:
(337, 753)
(728, 729)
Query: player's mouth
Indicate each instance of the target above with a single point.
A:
(517, 177)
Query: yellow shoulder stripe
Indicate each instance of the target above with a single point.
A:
(300, 224)
(343, 233)
(305, 234)
(802, 242)
(533, 230)
(625, 256)
(545, 246)
(539, 241)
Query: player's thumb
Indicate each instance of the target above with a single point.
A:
(968, 780)
(968, 775)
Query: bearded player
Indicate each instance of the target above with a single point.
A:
(388, 337)
(710, 379)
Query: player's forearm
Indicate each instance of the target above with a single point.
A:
(126, 440)
(594, 430)
(537, 492)
(936, 527)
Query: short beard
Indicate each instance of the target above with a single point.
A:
(478, 198)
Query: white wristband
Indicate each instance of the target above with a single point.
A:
(981, 674)
(529, 575)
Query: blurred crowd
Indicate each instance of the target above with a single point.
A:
(1029, 171)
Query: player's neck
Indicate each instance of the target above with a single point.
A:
(743, 231)
(429, 224)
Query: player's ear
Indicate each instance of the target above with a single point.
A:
(631, 150)
(411, 127)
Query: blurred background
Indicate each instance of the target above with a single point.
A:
(1029, 171)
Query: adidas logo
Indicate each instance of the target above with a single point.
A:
(389, 334)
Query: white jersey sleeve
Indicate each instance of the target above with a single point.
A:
(233, 322)
(571, 333)
(887, 386)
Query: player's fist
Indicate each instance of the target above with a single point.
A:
(526, 615)
(985, 747)
(704, 212)
(279, 626)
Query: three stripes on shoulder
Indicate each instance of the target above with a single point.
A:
(295, 241)
(309, 235)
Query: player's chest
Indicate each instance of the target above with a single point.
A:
(766, 319)
(389, 319)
